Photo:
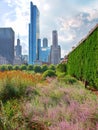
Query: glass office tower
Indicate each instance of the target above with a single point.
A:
(33, 33)
(7, 36)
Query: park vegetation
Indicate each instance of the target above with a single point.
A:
(83, 60)
(45, 99)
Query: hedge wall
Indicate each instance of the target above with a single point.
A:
(83, 61)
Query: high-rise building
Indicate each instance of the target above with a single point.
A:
(45, 52)
(18, 49)
(54, 38)
(18, 53)
(6, 45)
(55, 51)
(38, 49)
(45, 42)
(33, 33)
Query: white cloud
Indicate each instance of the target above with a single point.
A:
(93, 14)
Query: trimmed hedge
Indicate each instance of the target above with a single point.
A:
(83, 61)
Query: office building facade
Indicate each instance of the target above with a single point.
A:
(55, 51)
(18, 49)
(18, 53)
(33, 33)
(45, 42)
(6, 45)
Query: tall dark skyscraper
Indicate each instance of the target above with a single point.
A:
(6, 45)
(33, 33)
(55, 38)
(55, 52)
(18, 48)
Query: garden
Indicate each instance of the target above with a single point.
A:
(45, 99)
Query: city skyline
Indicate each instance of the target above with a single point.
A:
(73, 20)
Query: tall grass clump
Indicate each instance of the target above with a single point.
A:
(13, 84)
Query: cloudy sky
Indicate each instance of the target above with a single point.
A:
(73, 19)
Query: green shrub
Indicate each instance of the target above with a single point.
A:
(37, 69)
(49, 73)
(30, 67)
(52, 67)
(61, 75)
(69, 79)
(9, 67)
(44, 68)
(3, 67)
(16, 67)
(61, 67)
(23, 67)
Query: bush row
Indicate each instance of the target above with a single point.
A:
(83, 61)
(35, 68)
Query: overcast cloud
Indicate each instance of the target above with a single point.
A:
(73, 19)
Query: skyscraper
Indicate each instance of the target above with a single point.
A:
(18, 48)
(38, 49)
(45, 42)
(18, 53)
(54, 38)
(33, 33)
(55, 52)
(6, 45)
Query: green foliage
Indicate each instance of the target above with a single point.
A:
(61, 67)
(44, 68)
(83, 61)
(49, 73)
(16, 67)
(52, 67)
(30, 67)
(60, 75)
(61, 70)
(37, 69)
(13, 88)
(9, 67)
(3, 67)
(23, 67)
(69, 80)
